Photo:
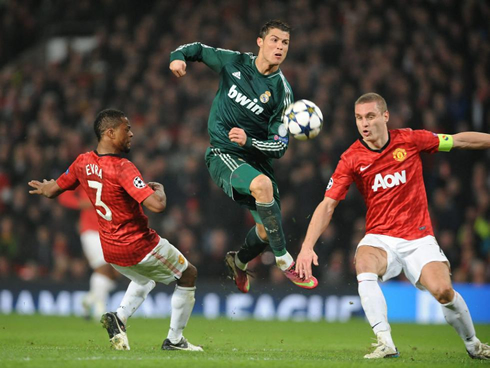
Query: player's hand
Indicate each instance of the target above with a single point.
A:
(238, 135)
(178, 68)
(155, 186)
(38, 186)
(303, 263)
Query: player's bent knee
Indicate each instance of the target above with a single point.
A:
(261, 187)
(443, 294)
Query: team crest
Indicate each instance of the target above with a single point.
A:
(139, 183)
(399, 154)
(264, 97)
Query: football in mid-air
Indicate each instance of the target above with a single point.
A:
(303, 119)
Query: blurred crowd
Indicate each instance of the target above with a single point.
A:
(429, 59)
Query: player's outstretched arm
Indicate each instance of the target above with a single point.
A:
(157, 202)
(471, 140)
(49, 189)
(318, 224)
(178, 67)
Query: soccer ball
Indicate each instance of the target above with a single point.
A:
(303, 119)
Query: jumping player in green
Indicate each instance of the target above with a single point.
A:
(246, 133)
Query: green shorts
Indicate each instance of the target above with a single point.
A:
(234, 175)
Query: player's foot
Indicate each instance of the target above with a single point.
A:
(291, 274)
(382, 350)
(241, 277)
(116, 330)
(183, 344)
(479, 351)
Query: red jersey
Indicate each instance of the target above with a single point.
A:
(116, 189)
(77, 200)
(391, 182)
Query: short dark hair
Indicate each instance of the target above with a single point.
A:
(373, 97)
(106, 119)
(276, 23)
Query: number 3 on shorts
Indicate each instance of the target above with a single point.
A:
(98, 202)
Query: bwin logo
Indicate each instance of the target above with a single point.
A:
(389, 181)
(244, 100)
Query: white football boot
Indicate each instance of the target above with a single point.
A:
(479, 351)
(383, 350)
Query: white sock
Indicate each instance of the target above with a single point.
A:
(134, 297)
(242, 266)
(100, 287)
(374, 305)
(457, 315)
(285, 261)
(182, 304)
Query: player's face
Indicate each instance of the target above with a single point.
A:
(371, 124)
(274, 47)
(123, 136)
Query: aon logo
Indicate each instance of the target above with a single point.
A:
(389, 181)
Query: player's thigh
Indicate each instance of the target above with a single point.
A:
(436, 278)
(371, 259)
(164, 263)
(424, 256)
(377, 254)
(222, 168)
(92, 249)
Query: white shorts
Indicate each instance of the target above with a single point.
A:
(407, 255)
(92, 248)
(163, 264)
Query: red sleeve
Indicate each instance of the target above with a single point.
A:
(131, 180)
(425, 141)
(340, 181)
(68, 180)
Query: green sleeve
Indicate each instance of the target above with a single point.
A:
(276, 144)
(212, 57)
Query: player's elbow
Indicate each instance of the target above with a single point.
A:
(155, 203)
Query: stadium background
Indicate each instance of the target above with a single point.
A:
(60, 65)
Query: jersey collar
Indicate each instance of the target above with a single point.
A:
(106, 154)
(382, 148)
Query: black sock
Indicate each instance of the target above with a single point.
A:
(252, 247)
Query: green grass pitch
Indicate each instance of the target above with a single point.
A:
(41, 341)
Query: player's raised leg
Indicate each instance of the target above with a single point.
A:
(269, 212)
(371, 262)
(436, 279)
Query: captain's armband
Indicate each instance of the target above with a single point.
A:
(445, 142)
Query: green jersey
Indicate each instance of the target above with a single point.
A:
(245, 99)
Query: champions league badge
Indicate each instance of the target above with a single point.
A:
(138, 183)
(264, 97)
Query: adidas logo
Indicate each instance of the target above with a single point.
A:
(236, 75)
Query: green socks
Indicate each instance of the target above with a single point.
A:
(270, 214)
